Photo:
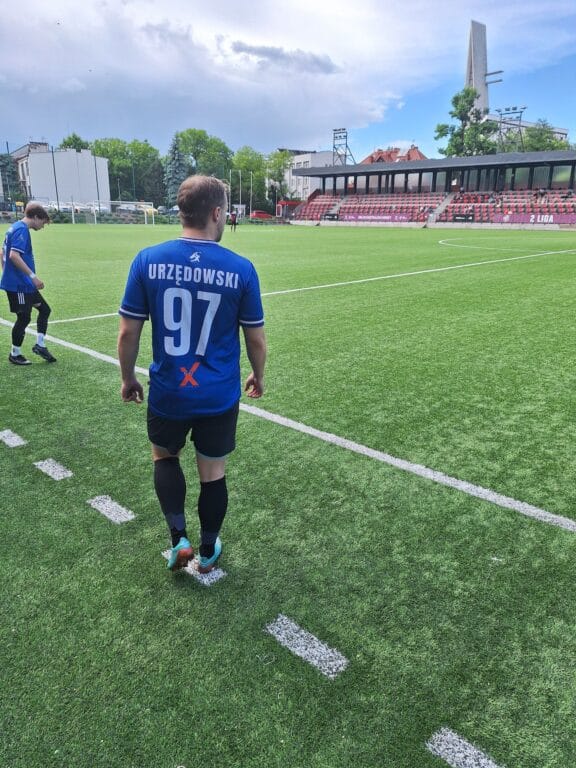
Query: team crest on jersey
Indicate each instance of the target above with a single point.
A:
(194, 256)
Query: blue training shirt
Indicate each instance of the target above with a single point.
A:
(17, 239)
(197, 294)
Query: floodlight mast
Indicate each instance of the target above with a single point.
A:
(340, 150)
(510, 123)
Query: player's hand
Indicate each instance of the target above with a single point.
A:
(132, 392)
(38, 284)
(254, 387)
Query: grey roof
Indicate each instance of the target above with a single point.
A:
(445, 163)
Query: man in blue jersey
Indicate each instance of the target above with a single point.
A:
(197, 295)
(22, 286)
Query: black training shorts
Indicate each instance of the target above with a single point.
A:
(213, 436)
(23, 302)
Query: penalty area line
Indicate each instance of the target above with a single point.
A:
(506, 502)
(79, 319)
(470, 489)
(360, 281)
(418, 272)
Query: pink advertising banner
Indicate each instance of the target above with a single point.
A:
(534, 218)
(374, 217)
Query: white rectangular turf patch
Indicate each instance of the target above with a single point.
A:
(206, 579)
(53, 469)
(11, 439)
(457, 752)
(111, 509)
(303, 644)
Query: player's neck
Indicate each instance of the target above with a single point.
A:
(197, 234)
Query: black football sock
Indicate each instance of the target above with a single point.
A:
(170, 487)
(212, 506)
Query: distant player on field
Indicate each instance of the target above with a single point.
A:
(22, 286)
(197, 295)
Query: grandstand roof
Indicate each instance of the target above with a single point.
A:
(446, 163)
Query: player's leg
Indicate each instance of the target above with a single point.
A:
(214, 438)
(44, 310)
(167, 439)
(20, 306)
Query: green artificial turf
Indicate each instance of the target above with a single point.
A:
(451, 611)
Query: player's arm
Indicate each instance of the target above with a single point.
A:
(128, 345)
(255, 339)
(21, 265)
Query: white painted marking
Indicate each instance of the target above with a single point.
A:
(352, 282)
(11, 439)
(417, 272)
(457, 752)
(327, 660)
(53, 469)
(80, 319)
(417, 469)
(77, 348)
(206, 579)
(111, 509)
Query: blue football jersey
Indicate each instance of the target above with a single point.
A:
(17, 239)
(197, 294)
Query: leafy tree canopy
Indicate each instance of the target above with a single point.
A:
(74, 142)
(540, 137)
(472, 135)
(204, 153)
(278, 163)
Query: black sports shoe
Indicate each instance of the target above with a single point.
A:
(18, 360)
(43, 352)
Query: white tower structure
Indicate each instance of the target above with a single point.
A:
(477, 67)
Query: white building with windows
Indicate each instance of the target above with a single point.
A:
(61, 177)
(303, 186)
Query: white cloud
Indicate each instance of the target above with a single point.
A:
(250, 73)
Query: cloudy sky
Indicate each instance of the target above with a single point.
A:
(269, 74)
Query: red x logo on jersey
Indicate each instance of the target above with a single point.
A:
(189, 376)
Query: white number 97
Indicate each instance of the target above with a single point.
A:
(179, 320)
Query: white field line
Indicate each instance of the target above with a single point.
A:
(88, 317)
(419, 272)
(457, 752)
(111, 509)
(478, 491)
(418, 469)
(366, 279)
(11, 439)
(53, 469)
(206, 579)
(303, 644)
(77, 348)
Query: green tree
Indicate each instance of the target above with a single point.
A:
(121, 171)
(74, 142)
(148, 171)
(175, 170)
(473, 134)
(134, 168)
(249, 170)
(277, 165)
(11, 184)
(541, 137)
(204, 153)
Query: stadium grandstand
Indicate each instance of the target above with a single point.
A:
(521, 188)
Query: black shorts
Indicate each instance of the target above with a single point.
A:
(23, 302)
(213, 436)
